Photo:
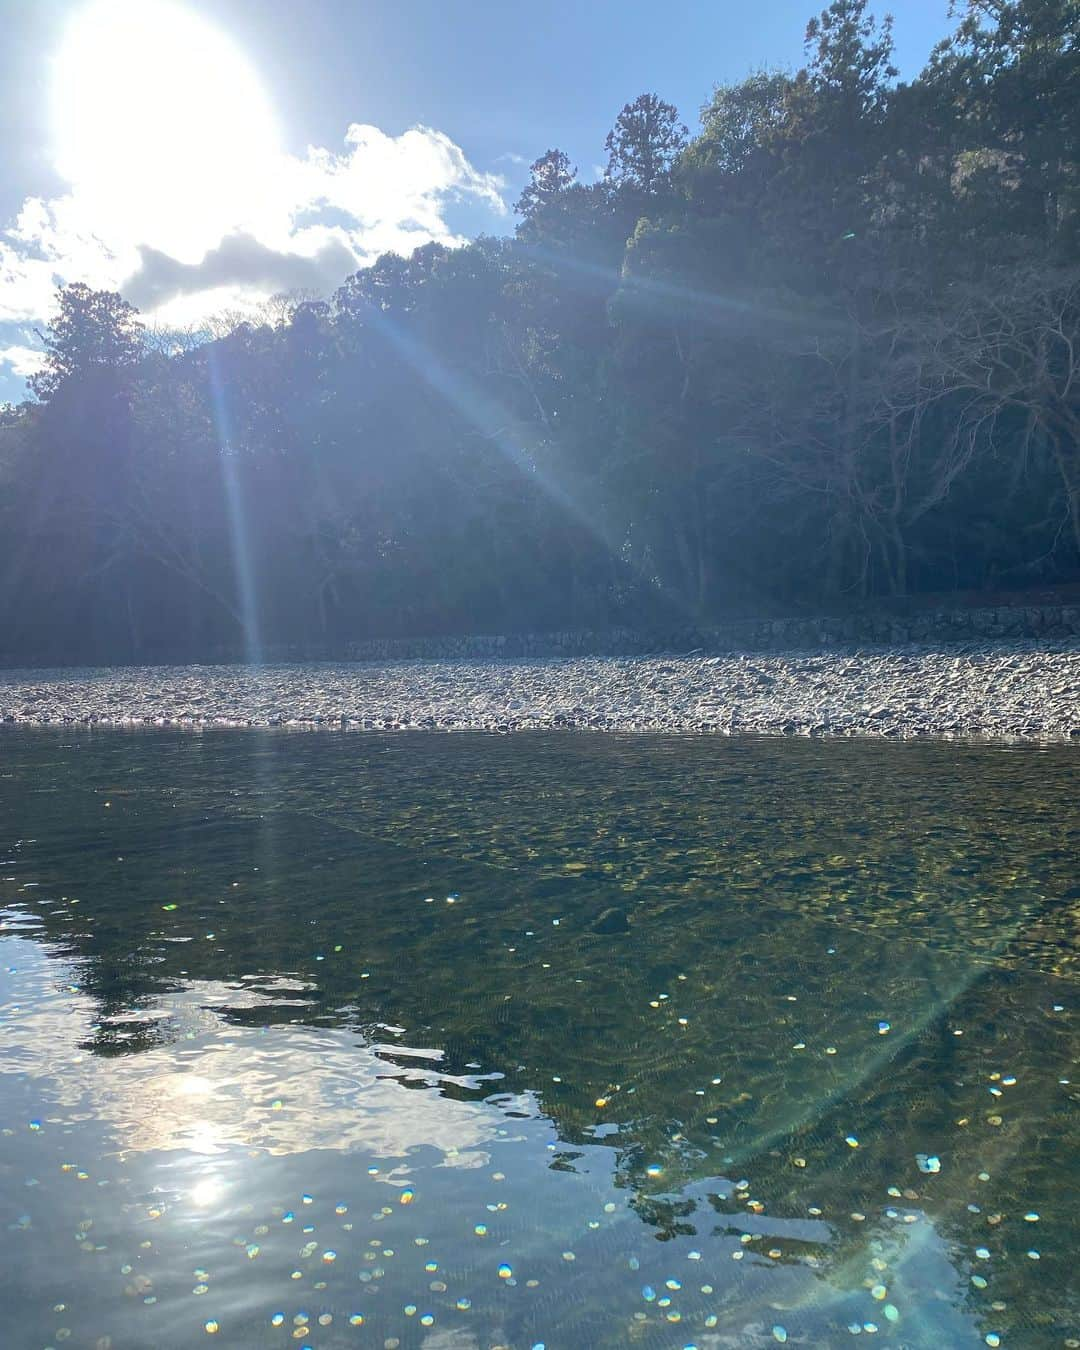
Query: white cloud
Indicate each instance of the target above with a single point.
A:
(179, 190)
(26, 286)
(395, 188)
(51, 242)
(386, 193)
(22, 361)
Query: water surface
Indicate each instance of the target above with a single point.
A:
(312, 1039)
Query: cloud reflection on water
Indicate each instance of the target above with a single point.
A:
(280, 1089)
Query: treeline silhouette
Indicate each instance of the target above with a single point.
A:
(825, 350)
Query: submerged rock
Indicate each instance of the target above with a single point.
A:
(611, 920)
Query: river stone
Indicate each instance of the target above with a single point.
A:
(612, 920)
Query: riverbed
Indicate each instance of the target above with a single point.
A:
(452, 1042)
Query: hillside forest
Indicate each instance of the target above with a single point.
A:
(820, 353)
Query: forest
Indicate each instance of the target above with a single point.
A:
(823, 352)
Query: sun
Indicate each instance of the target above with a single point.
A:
(162, 127)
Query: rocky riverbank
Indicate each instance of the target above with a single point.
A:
(1019, 689)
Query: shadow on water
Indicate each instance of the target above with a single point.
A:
(561, 1040)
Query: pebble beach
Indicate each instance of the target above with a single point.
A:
(1017, 689)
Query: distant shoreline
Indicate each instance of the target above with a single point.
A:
(1027, 689)
(1034, 615)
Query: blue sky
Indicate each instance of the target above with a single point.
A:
(196, 154)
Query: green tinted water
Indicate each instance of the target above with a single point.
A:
(299, 1030)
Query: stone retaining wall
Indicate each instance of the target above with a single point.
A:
(988, 624)
(881, 628)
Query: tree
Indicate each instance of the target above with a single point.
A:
(643, 145)
(1007, 83)
(549, 177)
(95, 333)
(742, 122)
(850, 63)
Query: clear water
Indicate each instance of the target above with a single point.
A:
(298, 1030)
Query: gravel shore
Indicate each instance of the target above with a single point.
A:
(1018, 689)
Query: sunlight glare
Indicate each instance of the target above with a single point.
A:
(206, 1192)
(162, 126)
